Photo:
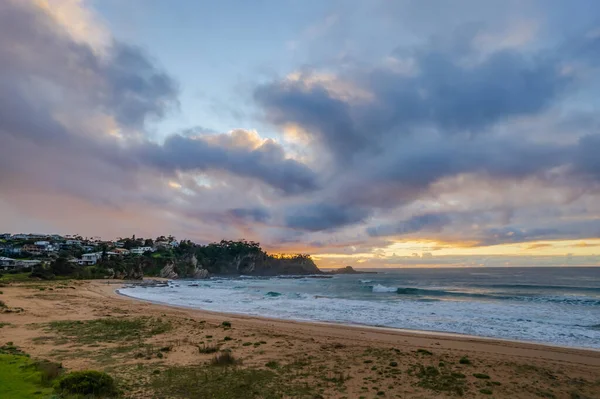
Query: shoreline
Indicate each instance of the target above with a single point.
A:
(474, 340)
(405, 331)
(401, 331)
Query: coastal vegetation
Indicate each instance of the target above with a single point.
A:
(185, 260)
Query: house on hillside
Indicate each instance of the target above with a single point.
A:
(90, 259)
(27, 262)
(7, 263)
(141, 250)
(31, 248)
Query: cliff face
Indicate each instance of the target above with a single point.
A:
(184, 268)
(260, 264)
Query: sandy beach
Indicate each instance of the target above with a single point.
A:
(321, 360)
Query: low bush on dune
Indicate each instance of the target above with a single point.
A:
(87, 383)
(208, 349)
(224, 359)
(464, 360)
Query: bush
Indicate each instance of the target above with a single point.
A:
(49, 371)
(88, 382)
(464, 360)
(272, 364)
(208, 349)
(481, 376)
(2, 304)
(224, 359)
(226, 324)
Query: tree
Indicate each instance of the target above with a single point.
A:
(148, 242)
(62, 267)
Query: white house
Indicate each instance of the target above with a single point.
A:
(141, 250)
(7, 263)
(90, 259)
(20, 237)
(42, 243)
(73, 242)
(27, 262)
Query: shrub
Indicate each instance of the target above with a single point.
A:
(208, 349)
(227, 339)
(272, 364)
(424, 352)
(464, 360)
(224, 359)
(486, 391)
(88, 382)
(481, 376)
(2, 304)
(394, 364)
(49, 371)
(226, 324)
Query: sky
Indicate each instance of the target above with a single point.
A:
(374, 134)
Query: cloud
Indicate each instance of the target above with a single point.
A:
(323, 216)
(444, 94)
(467, 134)
(538, 246)
(266, 162)
(428, 223)
(260, 215)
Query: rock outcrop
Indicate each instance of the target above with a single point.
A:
(169, 271)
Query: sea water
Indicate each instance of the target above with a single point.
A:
(550, 305)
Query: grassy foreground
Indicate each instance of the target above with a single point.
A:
(21, 379)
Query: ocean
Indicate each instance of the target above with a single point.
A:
(559, 306)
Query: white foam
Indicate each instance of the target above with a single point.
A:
(383, 288)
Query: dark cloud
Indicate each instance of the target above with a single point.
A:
(323, 216)
(137, 88)
(588, 156)
(266, 162)
(430, 222)
(259, 215)
(441, 93)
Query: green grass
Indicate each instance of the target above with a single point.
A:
(437, 380)
(109, 329)
(9, 277)
(227, 383)
(21, 379)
